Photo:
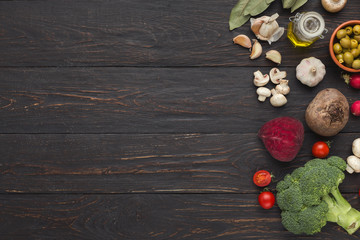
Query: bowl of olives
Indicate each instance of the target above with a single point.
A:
(344, 46)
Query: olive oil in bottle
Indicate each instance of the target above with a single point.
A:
(305, 28)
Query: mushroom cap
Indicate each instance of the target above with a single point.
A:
(356, 147)
(260, 79)
(276, 75)
(333, 5)
(354, 163)
(263, 91)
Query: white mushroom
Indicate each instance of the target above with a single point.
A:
(333, 5)
(283, 87)
(353, 164)
(263, 93)
(356, 147)
(278, 99)
(276, 75)
(260, 79)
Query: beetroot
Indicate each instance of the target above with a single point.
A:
(282, 137)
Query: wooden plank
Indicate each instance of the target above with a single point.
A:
(148, 216)
(148, 100)
(141, 33)
(150, 163)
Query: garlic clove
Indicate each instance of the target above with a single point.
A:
(266, 28)
(242, 40)
(277, 35)
(256, 50)
(274, 56)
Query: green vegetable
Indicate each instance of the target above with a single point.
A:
(288, 3)
(298, 4)
(244, 9)
(309, 197)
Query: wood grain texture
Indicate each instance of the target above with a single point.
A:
(148, 100)
(159, 216)
(150, 163)
(135, 119)
(140, 33)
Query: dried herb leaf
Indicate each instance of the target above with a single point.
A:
(298, 4)
(256, 7)
(288, 3)
(244, 9)
(237, 16)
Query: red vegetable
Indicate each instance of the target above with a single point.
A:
(266, 200)
(353, 80)
(355, 108)
(320, 149)
(262, 178)
(282, 137)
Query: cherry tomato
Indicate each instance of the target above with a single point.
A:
(266, 200)
(320, 149)
(262, 178)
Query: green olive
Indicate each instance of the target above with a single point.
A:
(341, 34)
(345, 42)
(348, 58)
(356, 29)
(356, 64)
(355, 52)
(353, 43)
(349, 30)
(337, 48)
(340, 57)
(357, 38)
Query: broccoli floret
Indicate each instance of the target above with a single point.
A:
(310, 196)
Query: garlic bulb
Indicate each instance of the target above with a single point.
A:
(310, 71)
(266, 28)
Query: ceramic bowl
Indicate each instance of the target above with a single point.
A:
(333, 40)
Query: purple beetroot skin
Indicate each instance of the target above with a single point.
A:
(282, 137)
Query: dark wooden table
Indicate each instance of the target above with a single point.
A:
(136, 119)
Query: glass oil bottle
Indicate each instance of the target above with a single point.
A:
(305, 28)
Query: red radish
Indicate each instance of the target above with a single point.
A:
(282, 137)
(353, 80)
(355, 108)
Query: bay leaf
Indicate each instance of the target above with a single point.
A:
(298, 4)
(256, 7)
(237, 16)
(288, 3)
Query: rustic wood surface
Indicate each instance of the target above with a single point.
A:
(138, 120)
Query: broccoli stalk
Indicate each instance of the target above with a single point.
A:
(341, 212)
(309, 197)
